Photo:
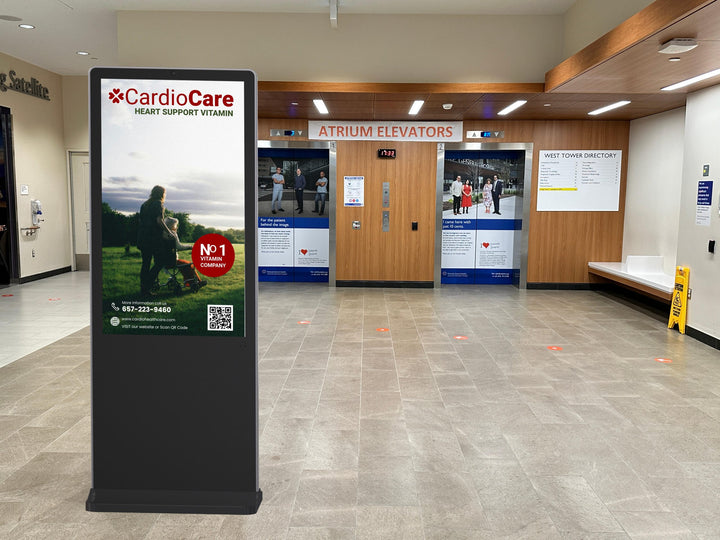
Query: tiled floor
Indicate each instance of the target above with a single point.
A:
(412, 433)
(39, 313)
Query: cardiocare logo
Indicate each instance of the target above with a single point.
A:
(169, 97)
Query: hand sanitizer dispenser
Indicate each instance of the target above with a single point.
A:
(36, 209)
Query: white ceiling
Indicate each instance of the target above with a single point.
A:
(63, 27)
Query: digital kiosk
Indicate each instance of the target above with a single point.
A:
(174, 291)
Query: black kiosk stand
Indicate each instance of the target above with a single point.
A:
(174, 291)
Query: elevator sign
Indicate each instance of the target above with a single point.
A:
(386, 131)
(485, 134)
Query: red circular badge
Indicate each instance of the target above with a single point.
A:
(213, 255)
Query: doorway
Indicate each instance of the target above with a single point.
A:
(8, 219)
(80, 199)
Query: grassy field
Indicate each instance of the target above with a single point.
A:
(186, 312)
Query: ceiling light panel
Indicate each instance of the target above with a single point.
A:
(416, 106)
(320, 106)
(610, 107)
(688, 82)
(510, 108)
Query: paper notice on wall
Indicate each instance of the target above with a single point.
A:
(354, 192)
(703, 209)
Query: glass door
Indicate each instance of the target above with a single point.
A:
(8, 237)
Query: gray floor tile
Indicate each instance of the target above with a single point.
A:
(402, 434)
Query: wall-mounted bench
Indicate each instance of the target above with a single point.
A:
(640, 273)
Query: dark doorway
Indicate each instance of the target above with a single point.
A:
(8, 222)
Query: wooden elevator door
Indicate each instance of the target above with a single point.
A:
(369, 254)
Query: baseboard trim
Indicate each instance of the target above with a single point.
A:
(43, 275)
(386, 284)
(703, 337)
(561, 286)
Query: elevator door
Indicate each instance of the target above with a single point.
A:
(391, 238)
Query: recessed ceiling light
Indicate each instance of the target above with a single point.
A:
(83, 53)
(674, 59)
(688, 82)
(416, 106)
(294, 104)
(26, 26)
(547, 104)
(320, 106)
(447, 106)
(610, 107)
(510, 108)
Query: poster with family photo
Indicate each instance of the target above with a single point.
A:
(482, 210)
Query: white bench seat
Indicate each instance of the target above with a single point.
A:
(643, 273)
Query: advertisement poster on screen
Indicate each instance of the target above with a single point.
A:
(173, 230)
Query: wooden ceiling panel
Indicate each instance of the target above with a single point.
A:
(642, 69)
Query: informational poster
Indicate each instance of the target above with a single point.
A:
(703, 210)
(479, 229)
(293, 221)
(579, 180)
(173, 230)
(354, 193)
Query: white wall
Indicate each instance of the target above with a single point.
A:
(364, 48)
(654, 183)
(587, 20)
(702, 140)
(75, 113)
(40, 163)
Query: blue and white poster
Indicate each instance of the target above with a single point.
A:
(293, 210)
(482, 214)
(704, 203)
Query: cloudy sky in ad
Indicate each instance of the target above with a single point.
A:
(198, 159)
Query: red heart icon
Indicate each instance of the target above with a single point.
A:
(303, 251)
(486, 245)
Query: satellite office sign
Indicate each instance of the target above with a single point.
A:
(386, 131)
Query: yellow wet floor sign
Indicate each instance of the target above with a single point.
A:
(678, 308)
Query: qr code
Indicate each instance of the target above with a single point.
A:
(220, 318)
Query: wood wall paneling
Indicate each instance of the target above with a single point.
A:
(561, 244)
(369, 254)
